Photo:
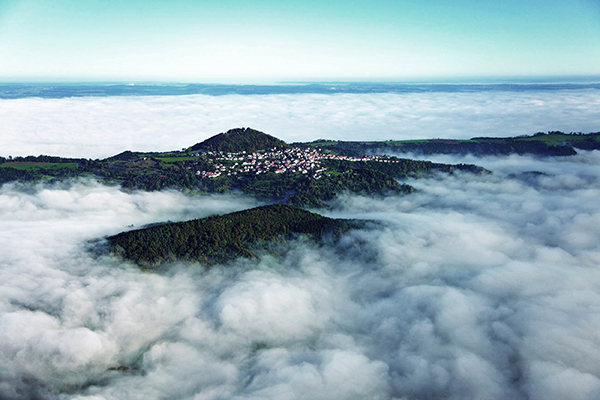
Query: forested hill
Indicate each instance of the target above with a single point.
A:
(238, 140)
(219, 238)
(541, 144)
(301, 177)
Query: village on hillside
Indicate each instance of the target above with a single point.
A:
(277, 160)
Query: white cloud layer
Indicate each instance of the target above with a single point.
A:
(475, 287)
(95, 127)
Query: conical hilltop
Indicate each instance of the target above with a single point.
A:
(238, 140)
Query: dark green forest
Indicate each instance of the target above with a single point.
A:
(301, 190)
(553, 143)
(221, 238)
(239, 139)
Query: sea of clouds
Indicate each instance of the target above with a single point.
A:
(99, 127)
(474, 287)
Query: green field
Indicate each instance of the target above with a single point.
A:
(175, 159)
(33, 166)
(406, 141)
(426, 141)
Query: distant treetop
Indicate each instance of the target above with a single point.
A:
(238, 140)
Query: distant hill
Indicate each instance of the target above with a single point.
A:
(127, 155)
(549, 144)
(238, 140)
(223, 237)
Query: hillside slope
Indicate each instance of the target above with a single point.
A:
(238, 140)
(223, 237)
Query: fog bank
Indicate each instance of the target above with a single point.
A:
(475, 287)
(94, 127)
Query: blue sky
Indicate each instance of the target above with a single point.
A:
(255, 41)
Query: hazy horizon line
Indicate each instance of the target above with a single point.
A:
(55, 90)
(484, 79)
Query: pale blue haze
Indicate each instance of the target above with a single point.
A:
(269, 41)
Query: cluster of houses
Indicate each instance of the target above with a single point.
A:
(279, 161)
